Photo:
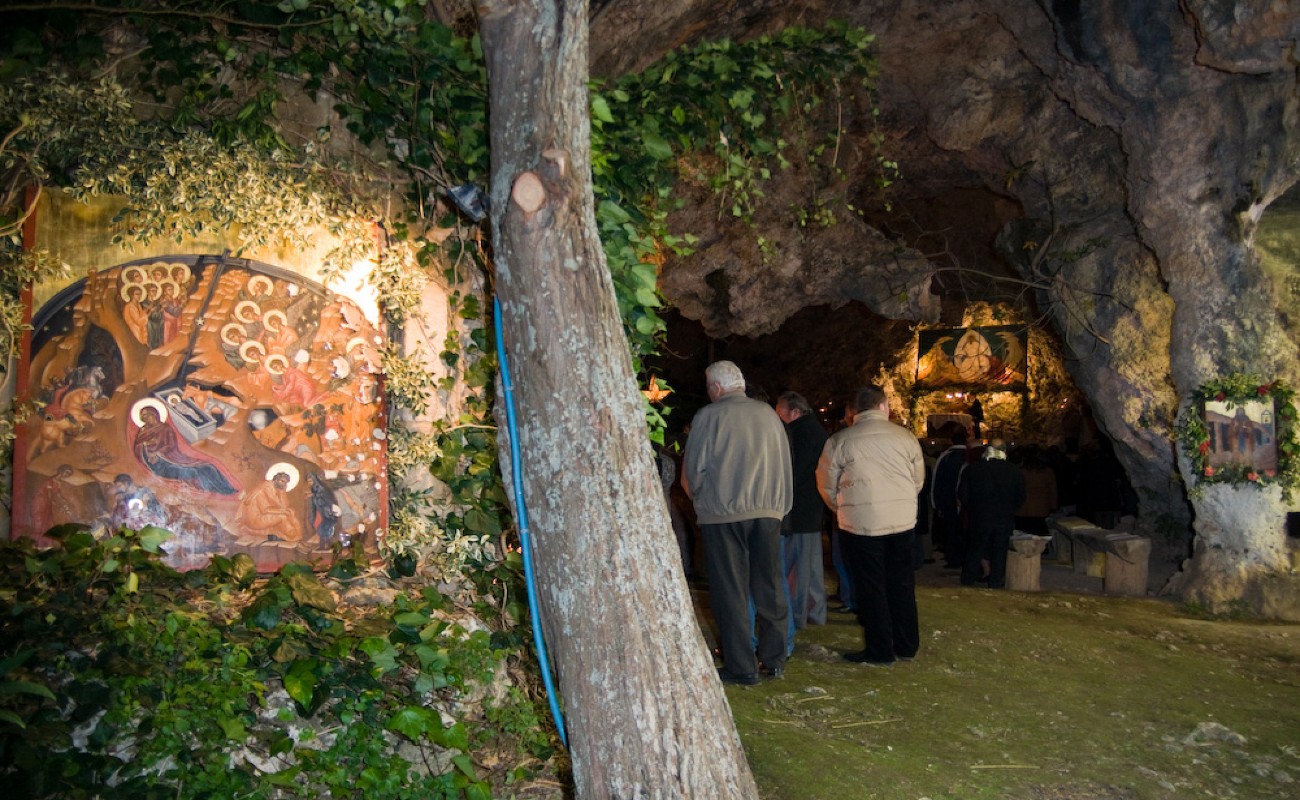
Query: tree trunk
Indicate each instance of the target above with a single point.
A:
(645, 713)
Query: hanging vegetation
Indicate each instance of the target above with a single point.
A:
(270, 119)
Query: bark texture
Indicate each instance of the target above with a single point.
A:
(646, 716)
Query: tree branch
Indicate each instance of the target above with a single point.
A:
(157, 12)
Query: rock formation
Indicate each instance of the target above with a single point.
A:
(1113, 157)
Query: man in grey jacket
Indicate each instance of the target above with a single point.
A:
(737, 473)
(870, 474)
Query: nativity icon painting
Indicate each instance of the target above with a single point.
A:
(231, 402)
(990, 357)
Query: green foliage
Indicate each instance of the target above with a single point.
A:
(15, 693)
(1235, 390)
(726, 113)
(190, 687)
(212, 151)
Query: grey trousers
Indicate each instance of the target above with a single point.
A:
(743, 560)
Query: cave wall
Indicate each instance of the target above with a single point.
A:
(1140, 145)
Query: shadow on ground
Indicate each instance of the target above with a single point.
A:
(1057, 695)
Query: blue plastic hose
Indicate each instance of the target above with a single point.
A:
(521, 515)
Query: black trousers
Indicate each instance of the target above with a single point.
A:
(743, 560)
(954, 538)
(884, 586)
(987, 541)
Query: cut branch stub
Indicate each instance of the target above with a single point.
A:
(528, 193)
(556, 163)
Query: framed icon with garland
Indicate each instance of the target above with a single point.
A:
(1242, 430)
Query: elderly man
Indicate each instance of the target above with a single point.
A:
(870, 474)
(737, 473)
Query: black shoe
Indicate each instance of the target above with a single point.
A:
(845, 610)
(774, 673)
(736, 680)
(860, 657)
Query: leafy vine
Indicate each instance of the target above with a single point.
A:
(181, 112)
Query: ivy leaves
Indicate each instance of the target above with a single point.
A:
(730, 100)
(718, 113)
(191, 686)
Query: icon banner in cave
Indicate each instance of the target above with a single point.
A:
(990, 356)
(233, 403)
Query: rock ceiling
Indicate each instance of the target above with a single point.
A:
(1015, 122)
(953, 87)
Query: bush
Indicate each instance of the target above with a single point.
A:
(128, 679)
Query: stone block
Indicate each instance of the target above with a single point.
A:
(1090, 552)
(1024, 562)
(1127, 564)
(1063, 544)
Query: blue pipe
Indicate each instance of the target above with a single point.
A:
(521, 513)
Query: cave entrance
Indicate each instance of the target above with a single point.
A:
(826, 353)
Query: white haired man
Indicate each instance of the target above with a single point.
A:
(737, 473)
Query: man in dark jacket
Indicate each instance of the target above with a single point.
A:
(990, 491)
(943, 498)
(801, 529)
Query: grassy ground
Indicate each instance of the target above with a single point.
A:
(1043, 696)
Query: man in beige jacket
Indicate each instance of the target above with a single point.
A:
(870, 474)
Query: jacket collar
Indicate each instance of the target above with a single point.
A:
(871, 413)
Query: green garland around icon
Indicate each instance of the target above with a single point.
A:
(1239, 389)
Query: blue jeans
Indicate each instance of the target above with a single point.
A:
(802, 558)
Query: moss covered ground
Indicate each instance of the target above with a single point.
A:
(1053, 695)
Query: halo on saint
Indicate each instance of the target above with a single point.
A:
(276, 358)
(133, 274)
(249, 346)
(126, 287)
(148, 402)
(286, 468)
(232, 326)
(354, 342)
(247, 311)
(185, 273)
(275, 314)
(259, 286)
(172, 283)
(162, 265)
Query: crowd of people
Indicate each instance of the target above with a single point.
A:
(764, 485)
